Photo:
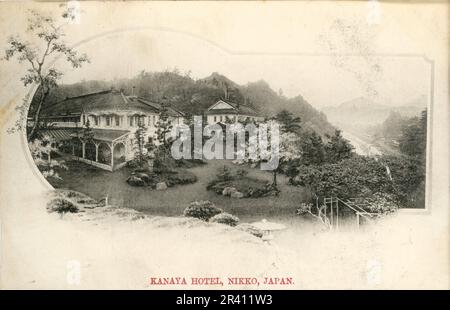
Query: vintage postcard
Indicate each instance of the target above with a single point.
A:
(224, 145)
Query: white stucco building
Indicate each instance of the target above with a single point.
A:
(223, 111)
(113, 117)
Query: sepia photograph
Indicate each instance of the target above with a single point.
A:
(277, 145)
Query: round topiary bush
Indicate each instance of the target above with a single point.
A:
(62, 206)
(225, 218)
(182, 177)
(203, 210)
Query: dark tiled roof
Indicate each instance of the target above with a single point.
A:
(105, 101)
(109, 135)
(60, 134)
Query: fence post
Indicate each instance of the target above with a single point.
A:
(337, 213)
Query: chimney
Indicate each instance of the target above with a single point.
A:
(132, 90)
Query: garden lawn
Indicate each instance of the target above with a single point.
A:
(99, 184)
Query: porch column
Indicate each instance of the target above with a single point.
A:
(96, 152)
(112, 156)
(73, 149)
(83, 149)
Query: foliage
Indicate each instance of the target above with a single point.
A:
(189, 163)
(225, 218)
(314, 211)
(413, 139)
(87, 134)
(163, 163)
(48, 42)
(241, 173)
(224, 174)
(203, 210)
(164, 127)
(140, 143)
(61, 205)
(287, 149)
(181, 177)
(241, 182)
(362, 176)
(313, 149)
(337, 148)
(407, 175)
(348, 178)
(381, 203)
(41, 150)
(288, 122)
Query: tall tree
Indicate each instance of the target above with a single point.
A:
(413, 140)
(87, 136)
(313, 149)
(163, 128)
(47, 35)
(338, 148)
(288, 122)
(288, 150)
(140, 143)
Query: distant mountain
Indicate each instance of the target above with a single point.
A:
(195, 96)
(362, 112)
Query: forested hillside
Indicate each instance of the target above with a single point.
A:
(194, 96)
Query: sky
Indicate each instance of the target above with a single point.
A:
(327, 52)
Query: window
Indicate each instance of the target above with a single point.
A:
(141, 120)
(150, 120)
(117, 120)
(108, 120)
(221, 119)
(215, 119)
(84, 119)
(131, 121)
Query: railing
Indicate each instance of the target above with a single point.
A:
(356, 205)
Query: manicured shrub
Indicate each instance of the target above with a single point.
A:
(189, 163)
(241, 173)
(61, 205)
(134, 163)
(225, 218)
(180, 178)
(135, 181)
(203, 210)
(224, 174)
